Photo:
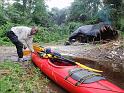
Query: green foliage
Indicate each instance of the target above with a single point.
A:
(105, 14)
(39, 14)
(4, 41)
(34, 12)
(51, 34)
(10, 83)
(56, 33)
(46, 35)
(122, 24)
(88, 8)
(2, 16)
(3, 29)
(15, 13)
(16, 78)
(116, 11)
(58, 15)
(25, 12)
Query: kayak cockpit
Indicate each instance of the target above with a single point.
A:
(59, 62)
(55, 58)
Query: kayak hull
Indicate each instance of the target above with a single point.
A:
(59, 73)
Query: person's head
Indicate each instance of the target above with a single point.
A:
(34, 30)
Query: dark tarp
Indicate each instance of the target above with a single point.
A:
(88, 32)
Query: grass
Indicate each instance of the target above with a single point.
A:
(20, 78)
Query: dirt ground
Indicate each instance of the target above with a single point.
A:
(8, 53)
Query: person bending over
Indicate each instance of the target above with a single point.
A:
(22, 38)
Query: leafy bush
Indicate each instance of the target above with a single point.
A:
(55, 33)
(122, 24)
(3, 29)
(50, 34)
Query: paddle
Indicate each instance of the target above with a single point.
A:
(36, 48)
(57, 55)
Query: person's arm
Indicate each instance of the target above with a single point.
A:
(24, 43)
(29, 42)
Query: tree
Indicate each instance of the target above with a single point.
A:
(58, 15)
(39, 13)
(87, 8)
(115, 11)
(15, 13)
(27, 12)
(2, 13)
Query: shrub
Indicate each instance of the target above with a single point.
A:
(3, 29)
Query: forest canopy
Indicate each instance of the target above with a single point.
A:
(56, 22)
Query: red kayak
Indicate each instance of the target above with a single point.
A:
(73, 78)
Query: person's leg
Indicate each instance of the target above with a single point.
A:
(17, 43)
(19, 47)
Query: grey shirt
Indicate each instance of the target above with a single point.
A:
(24, 35)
